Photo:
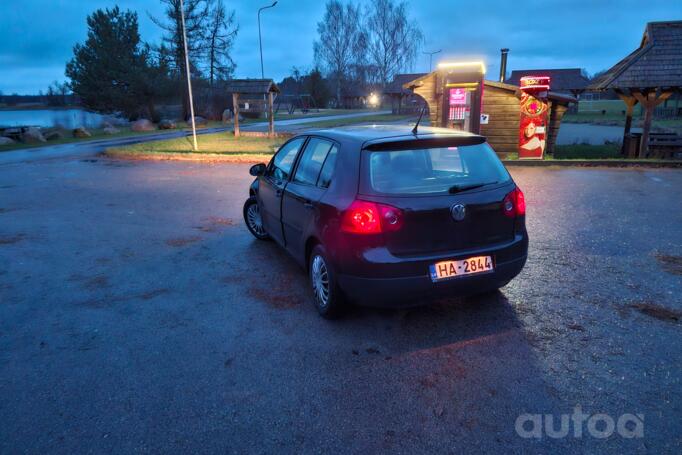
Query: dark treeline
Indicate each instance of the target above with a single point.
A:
(359, 47)
(115, 71)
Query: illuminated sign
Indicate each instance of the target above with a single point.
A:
(458, 96)
(462, 65)
(535, 83)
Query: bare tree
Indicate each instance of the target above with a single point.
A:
(196, 14)
(220, 34)
(339, 40)
(392, 38)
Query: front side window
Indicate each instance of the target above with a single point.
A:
(431, 170)
(312, 160)
(284, 159)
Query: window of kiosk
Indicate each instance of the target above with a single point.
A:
(459, 112)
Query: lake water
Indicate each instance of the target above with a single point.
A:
(65, 118)
(581, 133)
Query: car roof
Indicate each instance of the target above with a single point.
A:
(362, 135)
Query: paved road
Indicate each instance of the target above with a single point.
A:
(137, 314)
(87, 148)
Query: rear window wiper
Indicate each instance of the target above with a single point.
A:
(459, 188)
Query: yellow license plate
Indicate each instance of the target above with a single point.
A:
(445, 270)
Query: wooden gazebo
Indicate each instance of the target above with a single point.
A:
(649, 75)
(254, 92)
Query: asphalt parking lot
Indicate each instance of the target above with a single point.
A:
(137, 314)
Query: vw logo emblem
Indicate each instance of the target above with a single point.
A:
(458, 212)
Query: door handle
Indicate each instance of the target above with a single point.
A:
(278, 193)
(308, 204)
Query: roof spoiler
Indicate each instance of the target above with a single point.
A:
(395, 144)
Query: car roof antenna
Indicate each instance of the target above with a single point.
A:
(416, 125)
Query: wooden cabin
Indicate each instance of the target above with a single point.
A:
(501, 104)
(403, 101)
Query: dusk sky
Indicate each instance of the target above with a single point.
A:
(37, 35)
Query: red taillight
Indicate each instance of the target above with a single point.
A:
(364, 217)
(514, 203)
(520, 202)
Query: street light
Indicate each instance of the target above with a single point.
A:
(260, 39)
(430, 54)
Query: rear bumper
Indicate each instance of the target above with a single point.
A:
(381, 290)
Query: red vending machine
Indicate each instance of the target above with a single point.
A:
(533, 127)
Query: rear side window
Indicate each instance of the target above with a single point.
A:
(328, 168)
(312, 160)
(284, 159)
(431, 170)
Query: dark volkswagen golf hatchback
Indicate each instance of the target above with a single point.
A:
(383, 216)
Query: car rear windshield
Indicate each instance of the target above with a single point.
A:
(431, 170)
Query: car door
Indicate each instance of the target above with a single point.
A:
(272, 184)
(302, 194)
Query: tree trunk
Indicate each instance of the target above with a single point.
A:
(235, 110)
(648, 115)
(649, 101)
(271, 116)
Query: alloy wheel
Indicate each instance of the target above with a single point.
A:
(320, 279)
(254, 219)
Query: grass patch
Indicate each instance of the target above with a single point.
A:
(283, 115)
(610, 106)
(597, 118)
(587, 152)
(612, 112)
(209, 144)
(99, 134)
(377, 118)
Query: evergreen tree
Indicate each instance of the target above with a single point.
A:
(108, 72)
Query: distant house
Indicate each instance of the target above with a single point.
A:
(355, 97)
(403, 100)
(564, 80)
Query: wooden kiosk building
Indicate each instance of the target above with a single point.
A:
(499, 102)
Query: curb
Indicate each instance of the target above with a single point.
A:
(257, 158)
(595, 163)
(195, 157)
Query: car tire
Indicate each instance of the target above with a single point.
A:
(253, 219)
(327, 295)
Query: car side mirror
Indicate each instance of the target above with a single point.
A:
(257, 169)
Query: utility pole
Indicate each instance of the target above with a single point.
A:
(430, 54)
(189, 82)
